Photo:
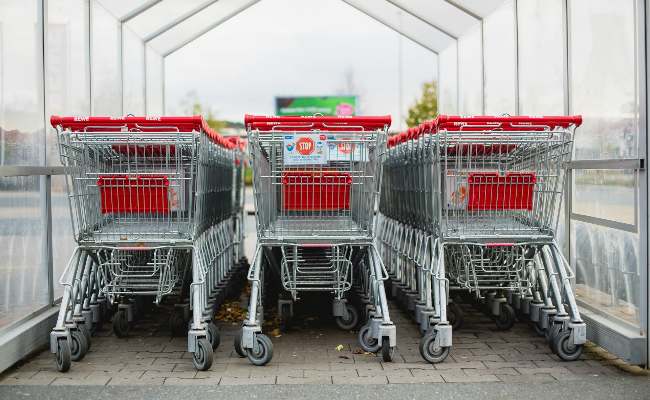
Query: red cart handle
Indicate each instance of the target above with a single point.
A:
(141, 124)
(307, 123)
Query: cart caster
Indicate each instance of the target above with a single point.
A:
(264, 351)
(455, 316)
(538, 329)
(177, 324)
(78, 345)
(214, 337)
(63, 355)
(351, 321)
(121, 324)
(367, 343)
(202, 356)
(241, 352)
(430, 351)
(387, 352)
(85, 329)
(506, 318)
(551, 334)
(565, 348)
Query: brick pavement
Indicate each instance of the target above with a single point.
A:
(307, 355)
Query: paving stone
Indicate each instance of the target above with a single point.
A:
(509, 364)
(459, 365)
(172, 374)
(291, 380)
(95, 380)
(266, 380)
(126, 381)
(433, 378)
(461, 377)
(537, 378)
(214, 381)
(359, 380)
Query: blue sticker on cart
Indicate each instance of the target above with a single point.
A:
(305, 149)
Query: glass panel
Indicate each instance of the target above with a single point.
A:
(448, 81)
(133, 54)
(63, 242)
(121, 8)
(21, 83)
(608, 194)
(155, 77)
(68, 93)
(470, 73)
(480, 7)
(23, 281)
(540, 55)
(607, 271)
(441, 14)
(163, 14)
(349, 53)
(389, 14)
(67, 65)
(500, 61)
(106, 64)
(603, 78)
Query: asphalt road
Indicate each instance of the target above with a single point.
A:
(597, 388)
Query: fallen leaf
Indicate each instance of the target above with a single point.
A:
(339, 347)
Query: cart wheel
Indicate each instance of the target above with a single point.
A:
(553, 333)
(85, 329)
(367, 343)
(351, 321)
(214, 337)
(241, 352)
(63, 356)
(455, 316)
(537, 328)
(78, 345)
(506, 318)
(202, 357)
(121, 324)
(430, 352)
(387, 352)
(565, 348)
(177, 325)
(264, 351)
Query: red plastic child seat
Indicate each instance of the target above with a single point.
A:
(314, 191)
(491, 191)
(121, 194)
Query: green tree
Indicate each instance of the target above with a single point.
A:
(426, 107)
(193, 106)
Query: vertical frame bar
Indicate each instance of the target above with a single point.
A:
(566, 75)
(516, 78)
(643, 43)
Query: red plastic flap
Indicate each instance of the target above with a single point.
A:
(491, 191)
(142, 194)
(308, 123)
(311, 190)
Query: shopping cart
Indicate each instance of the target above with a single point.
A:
(316, 183)
(488, 192)
(151, 202)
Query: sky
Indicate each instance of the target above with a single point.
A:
(293, 48)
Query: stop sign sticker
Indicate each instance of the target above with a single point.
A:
(305, 145)
(305, 149)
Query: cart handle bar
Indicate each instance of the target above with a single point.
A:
(143, 125)
(265, 123)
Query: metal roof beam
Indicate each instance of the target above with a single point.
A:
(139, 10)
(210, 27)
(417, 16)
(178, 20)
(389, 25)
(464, 9)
